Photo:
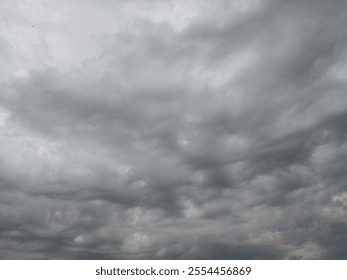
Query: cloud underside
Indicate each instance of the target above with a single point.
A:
(173, 129)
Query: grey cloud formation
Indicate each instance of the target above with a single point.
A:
(173, 129)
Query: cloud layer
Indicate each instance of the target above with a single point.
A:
(173, 129)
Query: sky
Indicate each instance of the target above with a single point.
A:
(179, 129)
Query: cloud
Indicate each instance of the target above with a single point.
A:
(188, 130)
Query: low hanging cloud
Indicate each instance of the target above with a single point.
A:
(173, 129)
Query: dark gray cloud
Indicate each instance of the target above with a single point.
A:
(173, 129)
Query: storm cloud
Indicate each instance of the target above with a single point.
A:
(173, 129)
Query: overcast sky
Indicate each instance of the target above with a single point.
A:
(179, 129)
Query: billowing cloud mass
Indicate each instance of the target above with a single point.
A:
(173, 129)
